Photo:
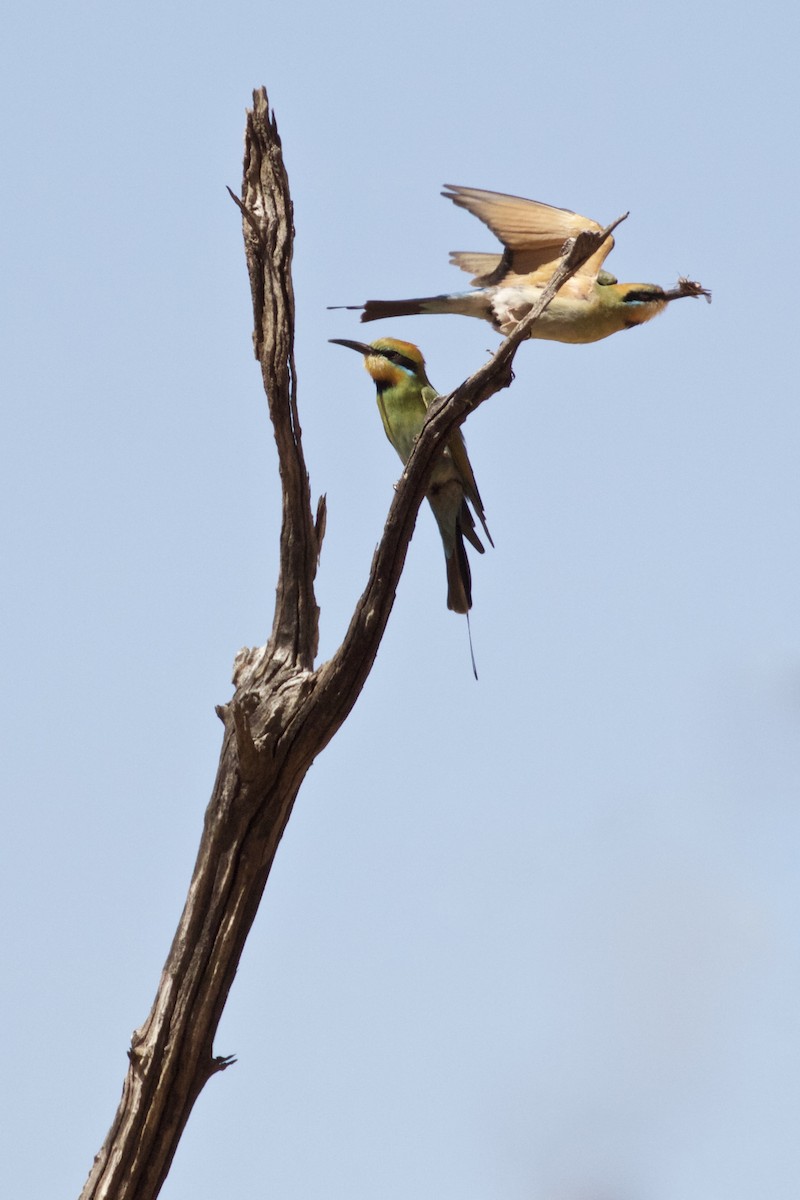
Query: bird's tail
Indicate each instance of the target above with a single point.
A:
(468, 304)
(459, 577)
(376, 310)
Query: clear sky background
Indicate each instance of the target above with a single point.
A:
(534, 938)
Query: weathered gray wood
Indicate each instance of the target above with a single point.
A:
(283, 711)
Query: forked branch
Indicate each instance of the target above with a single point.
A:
(283, 711)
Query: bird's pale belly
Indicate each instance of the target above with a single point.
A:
(564, 320)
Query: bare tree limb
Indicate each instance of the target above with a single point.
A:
(282, 713)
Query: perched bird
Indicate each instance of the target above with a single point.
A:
(404, 395)
(590, 306)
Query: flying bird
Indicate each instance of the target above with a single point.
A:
(404, 394)
(591, 305)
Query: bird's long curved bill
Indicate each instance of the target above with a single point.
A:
(361, 347)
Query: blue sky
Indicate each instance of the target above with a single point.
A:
(533, 938)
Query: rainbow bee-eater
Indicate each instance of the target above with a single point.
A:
(404, 394)
(590, 306)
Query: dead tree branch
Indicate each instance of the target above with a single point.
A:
(283, 711)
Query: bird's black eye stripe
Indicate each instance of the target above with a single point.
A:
(396, 357)
(642, 296)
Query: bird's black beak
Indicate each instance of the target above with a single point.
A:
(361, 347)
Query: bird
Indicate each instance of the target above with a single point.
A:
(404, 394)
(591, 305)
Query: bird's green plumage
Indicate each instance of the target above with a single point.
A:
(404, 394)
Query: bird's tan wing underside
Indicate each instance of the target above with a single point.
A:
(534, 233)
(476, 263)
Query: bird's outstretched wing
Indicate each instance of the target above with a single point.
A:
(532, 233)
(482, 266)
